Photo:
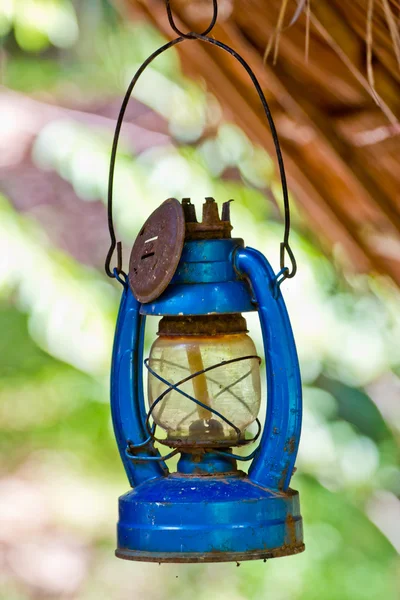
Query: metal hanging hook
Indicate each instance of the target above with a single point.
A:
(191, 35)
(285, 271)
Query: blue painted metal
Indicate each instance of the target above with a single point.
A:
(205, 282)
(126, 391)
(211, 463)
(218, 515)
(274, 463)
(207, 261)
(203, 519)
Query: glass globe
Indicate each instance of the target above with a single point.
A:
(189, 345)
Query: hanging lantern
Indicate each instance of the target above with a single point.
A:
(204, 387)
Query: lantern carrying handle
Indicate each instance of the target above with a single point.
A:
(285, 248)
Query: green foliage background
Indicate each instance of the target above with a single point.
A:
(60, 473)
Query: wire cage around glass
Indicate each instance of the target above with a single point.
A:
(204, 384)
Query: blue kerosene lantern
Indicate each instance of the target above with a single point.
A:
(203, 382)
(203, 392)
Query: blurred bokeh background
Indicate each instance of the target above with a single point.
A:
(64, 68)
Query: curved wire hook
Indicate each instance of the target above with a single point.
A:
(284, 247)
(191, 35)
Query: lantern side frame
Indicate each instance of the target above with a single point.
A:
(275, 458)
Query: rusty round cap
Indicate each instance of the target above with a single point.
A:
(202, 325)
(156, 252)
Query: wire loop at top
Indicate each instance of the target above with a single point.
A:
(191, 34)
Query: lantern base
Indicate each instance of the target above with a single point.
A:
(208, 557)
(197, 519)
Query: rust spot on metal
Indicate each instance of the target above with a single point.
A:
(157, 250)
(212, 227)
(189, 444)
(213, 556)
(292, 445)
(291, 529)
(204, 325)
(281, 482)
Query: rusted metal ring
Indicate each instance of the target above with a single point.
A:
(191, 34)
